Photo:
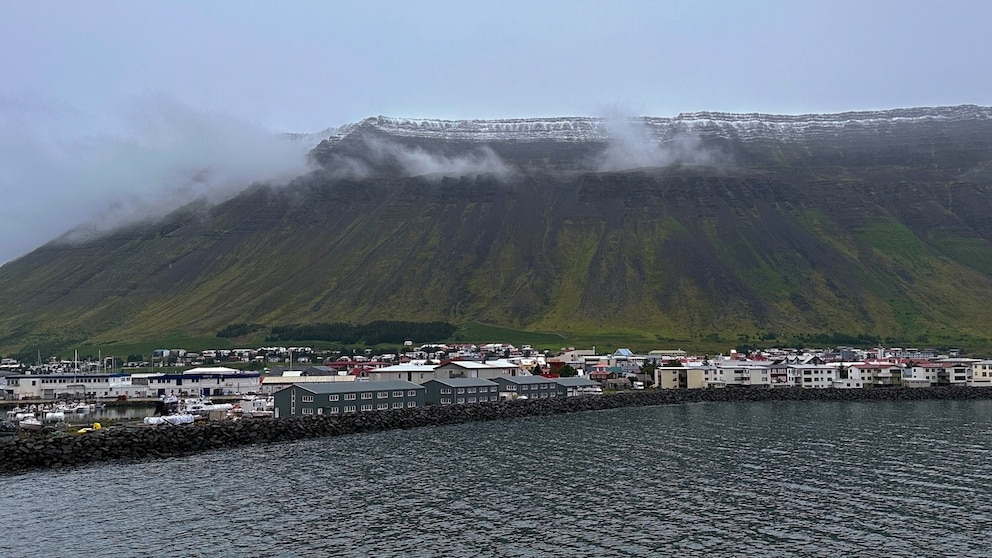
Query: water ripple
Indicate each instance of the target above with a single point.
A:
(756, 479)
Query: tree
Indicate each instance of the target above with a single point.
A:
(648, 368)
(567, 371)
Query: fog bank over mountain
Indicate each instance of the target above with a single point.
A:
(60, 167)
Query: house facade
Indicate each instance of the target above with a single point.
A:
(475, 369)
(577, 385)
(460, 391)
(206, 382)
(981, 373)
(340, 398)
(680, 377)
(529, 387)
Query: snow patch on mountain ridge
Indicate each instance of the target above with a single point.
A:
(720, 124)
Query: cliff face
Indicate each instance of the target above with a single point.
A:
(701, 226)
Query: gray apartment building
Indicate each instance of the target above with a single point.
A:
(531, 387)
(461, 391)
(341, 398)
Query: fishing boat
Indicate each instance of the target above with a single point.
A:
(30, 423)
(202, 406)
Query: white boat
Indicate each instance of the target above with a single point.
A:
(257, 406)
(202, 406)
(55, 416)
(174, 420)
(81, 408)
(12, 414)
(30, 423)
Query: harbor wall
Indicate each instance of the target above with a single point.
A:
(139, 443)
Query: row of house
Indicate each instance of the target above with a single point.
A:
(816, 374)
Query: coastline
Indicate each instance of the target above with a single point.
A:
(140, 443)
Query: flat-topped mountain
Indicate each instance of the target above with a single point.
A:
(705, 227)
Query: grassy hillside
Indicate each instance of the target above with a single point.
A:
(794, 245)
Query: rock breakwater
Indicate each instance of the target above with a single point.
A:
(168, 441)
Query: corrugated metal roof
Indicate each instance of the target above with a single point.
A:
(357, 387)
(525, 379)
(575, 381)
(463, 382)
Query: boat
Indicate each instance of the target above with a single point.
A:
(202, 406)
(257, 407)
(174, 420)
(11, 415)
(54, 416)
(30, 423)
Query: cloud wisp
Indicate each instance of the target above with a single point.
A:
(631, 144)
(60, 168)
(416, 161)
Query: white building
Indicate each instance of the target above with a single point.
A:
(981, 373)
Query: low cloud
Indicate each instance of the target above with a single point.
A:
(386, 155)
(632, 144)
(416, 161)
(61, 168)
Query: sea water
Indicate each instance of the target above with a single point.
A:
(707, 479)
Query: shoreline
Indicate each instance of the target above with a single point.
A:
(141, 443)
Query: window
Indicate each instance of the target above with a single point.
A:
(334, 410)
(333, 397)
(307, 399)
(349, 409)
(411, 393)
(320, 411)
(307, 411)
(367, 407)
(461, 390)
(398, 405)
(349, 397)
(411, 404)
(382, 395)
(397, 394)
(445, 391)
(382, 406)
(367, 395)
(471, 400)
(446, 401)
(471, 390)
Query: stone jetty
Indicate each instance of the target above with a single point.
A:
(139, 443)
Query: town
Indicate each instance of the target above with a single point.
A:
(304, 381)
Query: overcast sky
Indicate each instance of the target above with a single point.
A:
(126, 105)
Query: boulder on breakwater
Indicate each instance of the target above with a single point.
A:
(168, 440)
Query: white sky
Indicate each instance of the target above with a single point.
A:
(126, 104)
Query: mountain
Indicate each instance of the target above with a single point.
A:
(705, 227)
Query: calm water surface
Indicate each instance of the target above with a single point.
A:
(755, 479)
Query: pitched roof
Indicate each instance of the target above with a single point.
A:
(525, 379)
(463, 382)
(575, 381)
(356, 387)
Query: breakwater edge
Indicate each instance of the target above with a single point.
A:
(115, 444)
